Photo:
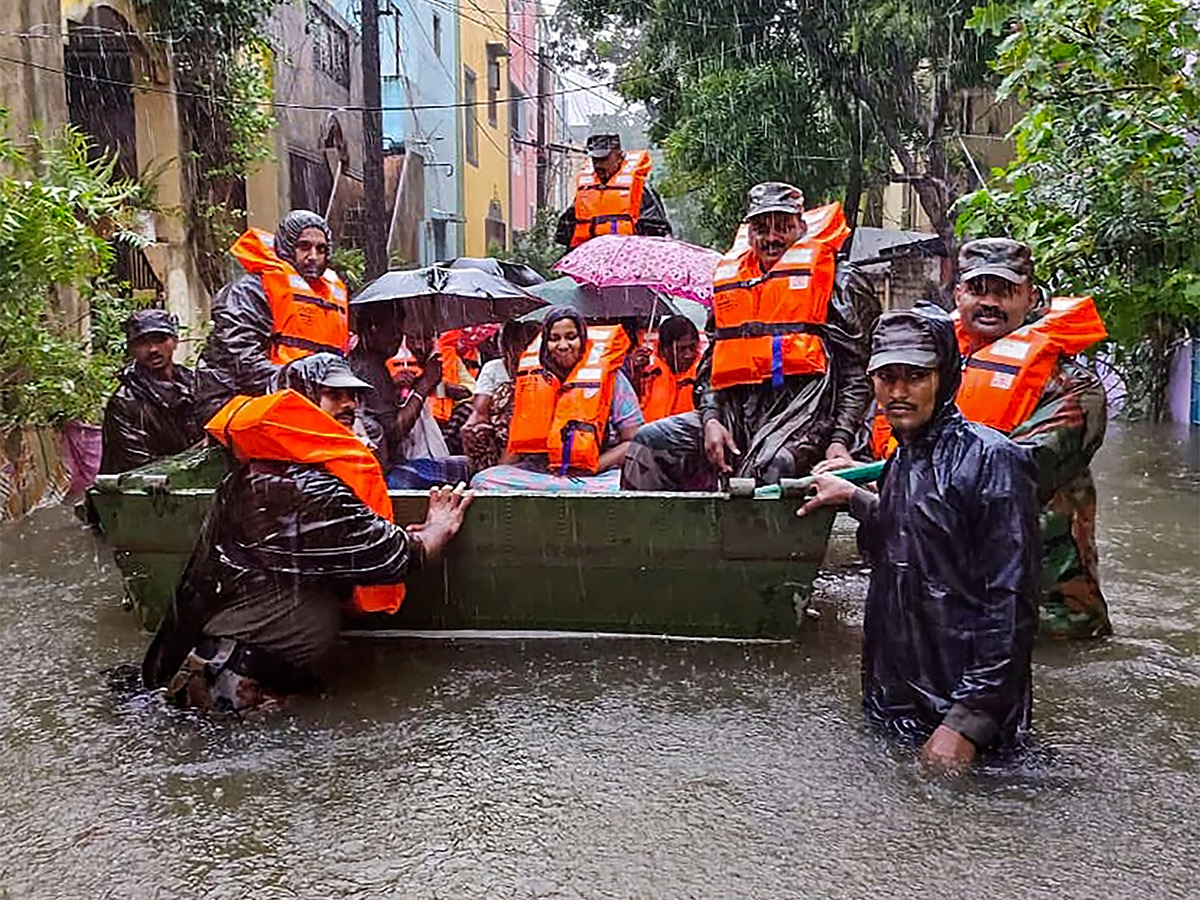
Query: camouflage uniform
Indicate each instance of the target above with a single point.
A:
(1064, 432)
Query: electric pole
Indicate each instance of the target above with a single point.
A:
(375, 234)
(543, 154)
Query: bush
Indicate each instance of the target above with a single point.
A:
(58, 212)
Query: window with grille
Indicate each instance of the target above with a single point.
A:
(331, 45)
(470, 123)
(493, 86)
(516, 111)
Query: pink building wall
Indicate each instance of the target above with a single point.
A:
(523, 76)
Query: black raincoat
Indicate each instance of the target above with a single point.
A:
(955, 551)
(147, 418)
(235, 355)
(278, 556)
(234, 359)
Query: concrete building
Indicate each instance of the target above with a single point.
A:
(119, 86)
(418, 64)
(484, 53)
(100, 66)
(317, 147)
(523, 19)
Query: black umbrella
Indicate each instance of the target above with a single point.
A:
(601, 303)
(517, 273)
(440, 299)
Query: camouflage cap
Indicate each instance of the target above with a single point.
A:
(774, 196)
(150, 321)
(1003, 257)
(902, 337)
(600, 145)
(338, 374)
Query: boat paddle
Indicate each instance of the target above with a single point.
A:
(798, 487)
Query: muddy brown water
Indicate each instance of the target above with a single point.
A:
(594, 768)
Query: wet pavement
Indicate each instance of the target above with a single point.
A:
(605, 769)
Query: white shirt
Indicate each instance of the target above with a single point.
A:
(491, 376)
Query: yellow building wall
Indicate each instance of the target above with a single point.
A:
(485, 174)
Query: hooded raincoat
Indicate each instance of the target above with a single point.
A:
(234, 359)
(147, 418)
(278, 557)
(954, 546)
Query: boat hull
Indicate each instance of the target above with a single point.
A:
(680, 564)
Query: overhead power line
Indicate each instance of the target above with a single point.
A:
(318, 107)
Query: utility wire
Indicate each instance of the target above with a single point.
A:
(479, 128)
(327, 107)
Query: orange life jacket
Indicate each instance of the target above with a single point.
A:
(1002, 382)
(304, 319)
(440, 404)
(766, 322)
(883, 442)
(286, 426)
(566, 420)
(664, 393)
(610, 207)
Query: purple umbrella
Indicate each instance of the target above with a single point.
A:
(615, 261)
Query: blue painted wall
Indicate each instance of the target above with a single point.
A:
(414, 74)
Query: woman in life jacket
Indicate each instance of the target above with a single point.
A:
(574, 412)
(667, 383)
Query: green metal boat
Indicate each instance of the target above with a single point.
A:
(707, 564)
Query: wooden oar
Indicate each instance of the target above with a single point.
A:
(798, 487)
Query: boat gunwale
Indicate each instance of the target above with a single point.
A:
(634, 495)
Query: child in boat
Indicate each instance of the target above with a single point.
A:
(574, 412)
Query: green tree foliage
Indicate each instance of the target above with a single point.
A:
(58, 213)
(1104, 184)
(818, 92)
(535, 246)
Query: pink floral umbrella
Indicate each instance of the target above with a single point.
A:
(659, 264)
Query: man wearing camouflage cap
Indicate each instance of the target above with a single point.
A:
(1020, 377)
(612, 196)
(783, 387)
(152, 413)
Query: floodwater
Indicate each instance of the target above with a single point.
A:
(606, 769)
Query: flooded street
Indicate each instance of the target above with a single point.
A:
(606, 769)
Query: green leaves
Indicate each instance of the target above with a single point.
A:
(1104, 184)
(58, 209)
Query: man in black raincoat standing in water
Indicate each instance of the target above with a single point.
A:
(953, 541)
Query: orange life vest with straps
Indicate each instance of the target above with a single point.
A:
(767, 323)
(566, 420)
(305, 319)
(610, 207)
(664, 393)
(1002, 382)
(288, 427)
